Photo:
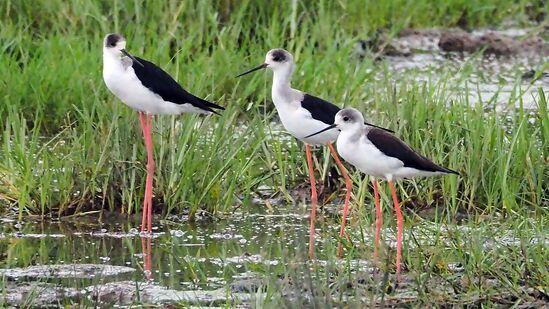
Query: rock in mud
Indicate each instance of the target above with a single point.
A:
(531, 74)
(36, 294)
(66, 271)
(248, 285)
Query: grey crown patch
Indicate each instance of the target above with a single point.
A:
(112, 39)
(278, 56)
(348, 116)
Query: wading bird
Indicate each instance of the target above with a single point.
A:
(380, 154)
(302, 114)
(145, 87)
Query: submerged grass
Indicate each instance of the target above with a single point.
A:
(68, 146)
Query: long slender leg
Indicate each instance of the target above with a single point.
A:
(313, 201)
(399, 227)
(150, 172)
(150, 169)
(145, 224)
(379, 218)
(349, 188)
(143, 123)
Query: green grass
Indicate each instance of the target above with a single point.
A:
(69, 146)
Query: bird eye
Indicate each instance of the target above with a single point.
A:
(113, 44)
(345, 118)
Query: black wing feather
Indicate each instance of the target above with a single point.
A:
(320, 110)
(392, 146)
(161, 83)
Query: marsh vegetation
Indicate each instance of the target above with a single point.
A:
(231, 191)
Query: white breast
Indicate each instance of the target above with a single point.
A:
(298, 121)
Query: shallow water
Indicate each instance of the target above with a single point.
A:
(181, 256)
(203, 263)
(115, 241)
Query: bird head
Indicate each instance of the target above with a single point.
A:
(276, 59)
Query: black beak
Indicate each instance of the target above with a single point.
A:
(262, 66)
(131, 57)
(325, 129)
(382, 128)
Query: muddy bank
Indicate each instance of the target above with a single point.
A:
(492, 43)
(501, 69)
(512, 42)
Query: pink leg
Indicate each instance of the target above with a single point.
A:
(150, 169)
(143, 123)
(399, 227)
(313, 201)
(379, 218)
(146, 124)
(349, 188)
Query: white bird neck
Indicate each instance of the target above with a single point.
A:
(352, 133)
(282, 91)
(110, 60)
(282, 77)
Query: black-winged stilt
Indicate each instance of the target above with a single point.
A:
(381, 155)
(302, 114)
(146, 88)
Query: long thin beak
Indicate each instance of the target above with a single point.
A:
(325, 129)
(259, 67)
(131, 57)
(382, 128)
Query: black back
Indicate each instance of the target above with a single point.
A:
(394, 147)
(320, 110)
(325, 111)
(161, 83)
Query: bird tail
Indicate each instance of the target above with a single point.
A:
(446, 170)
(209, 106)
